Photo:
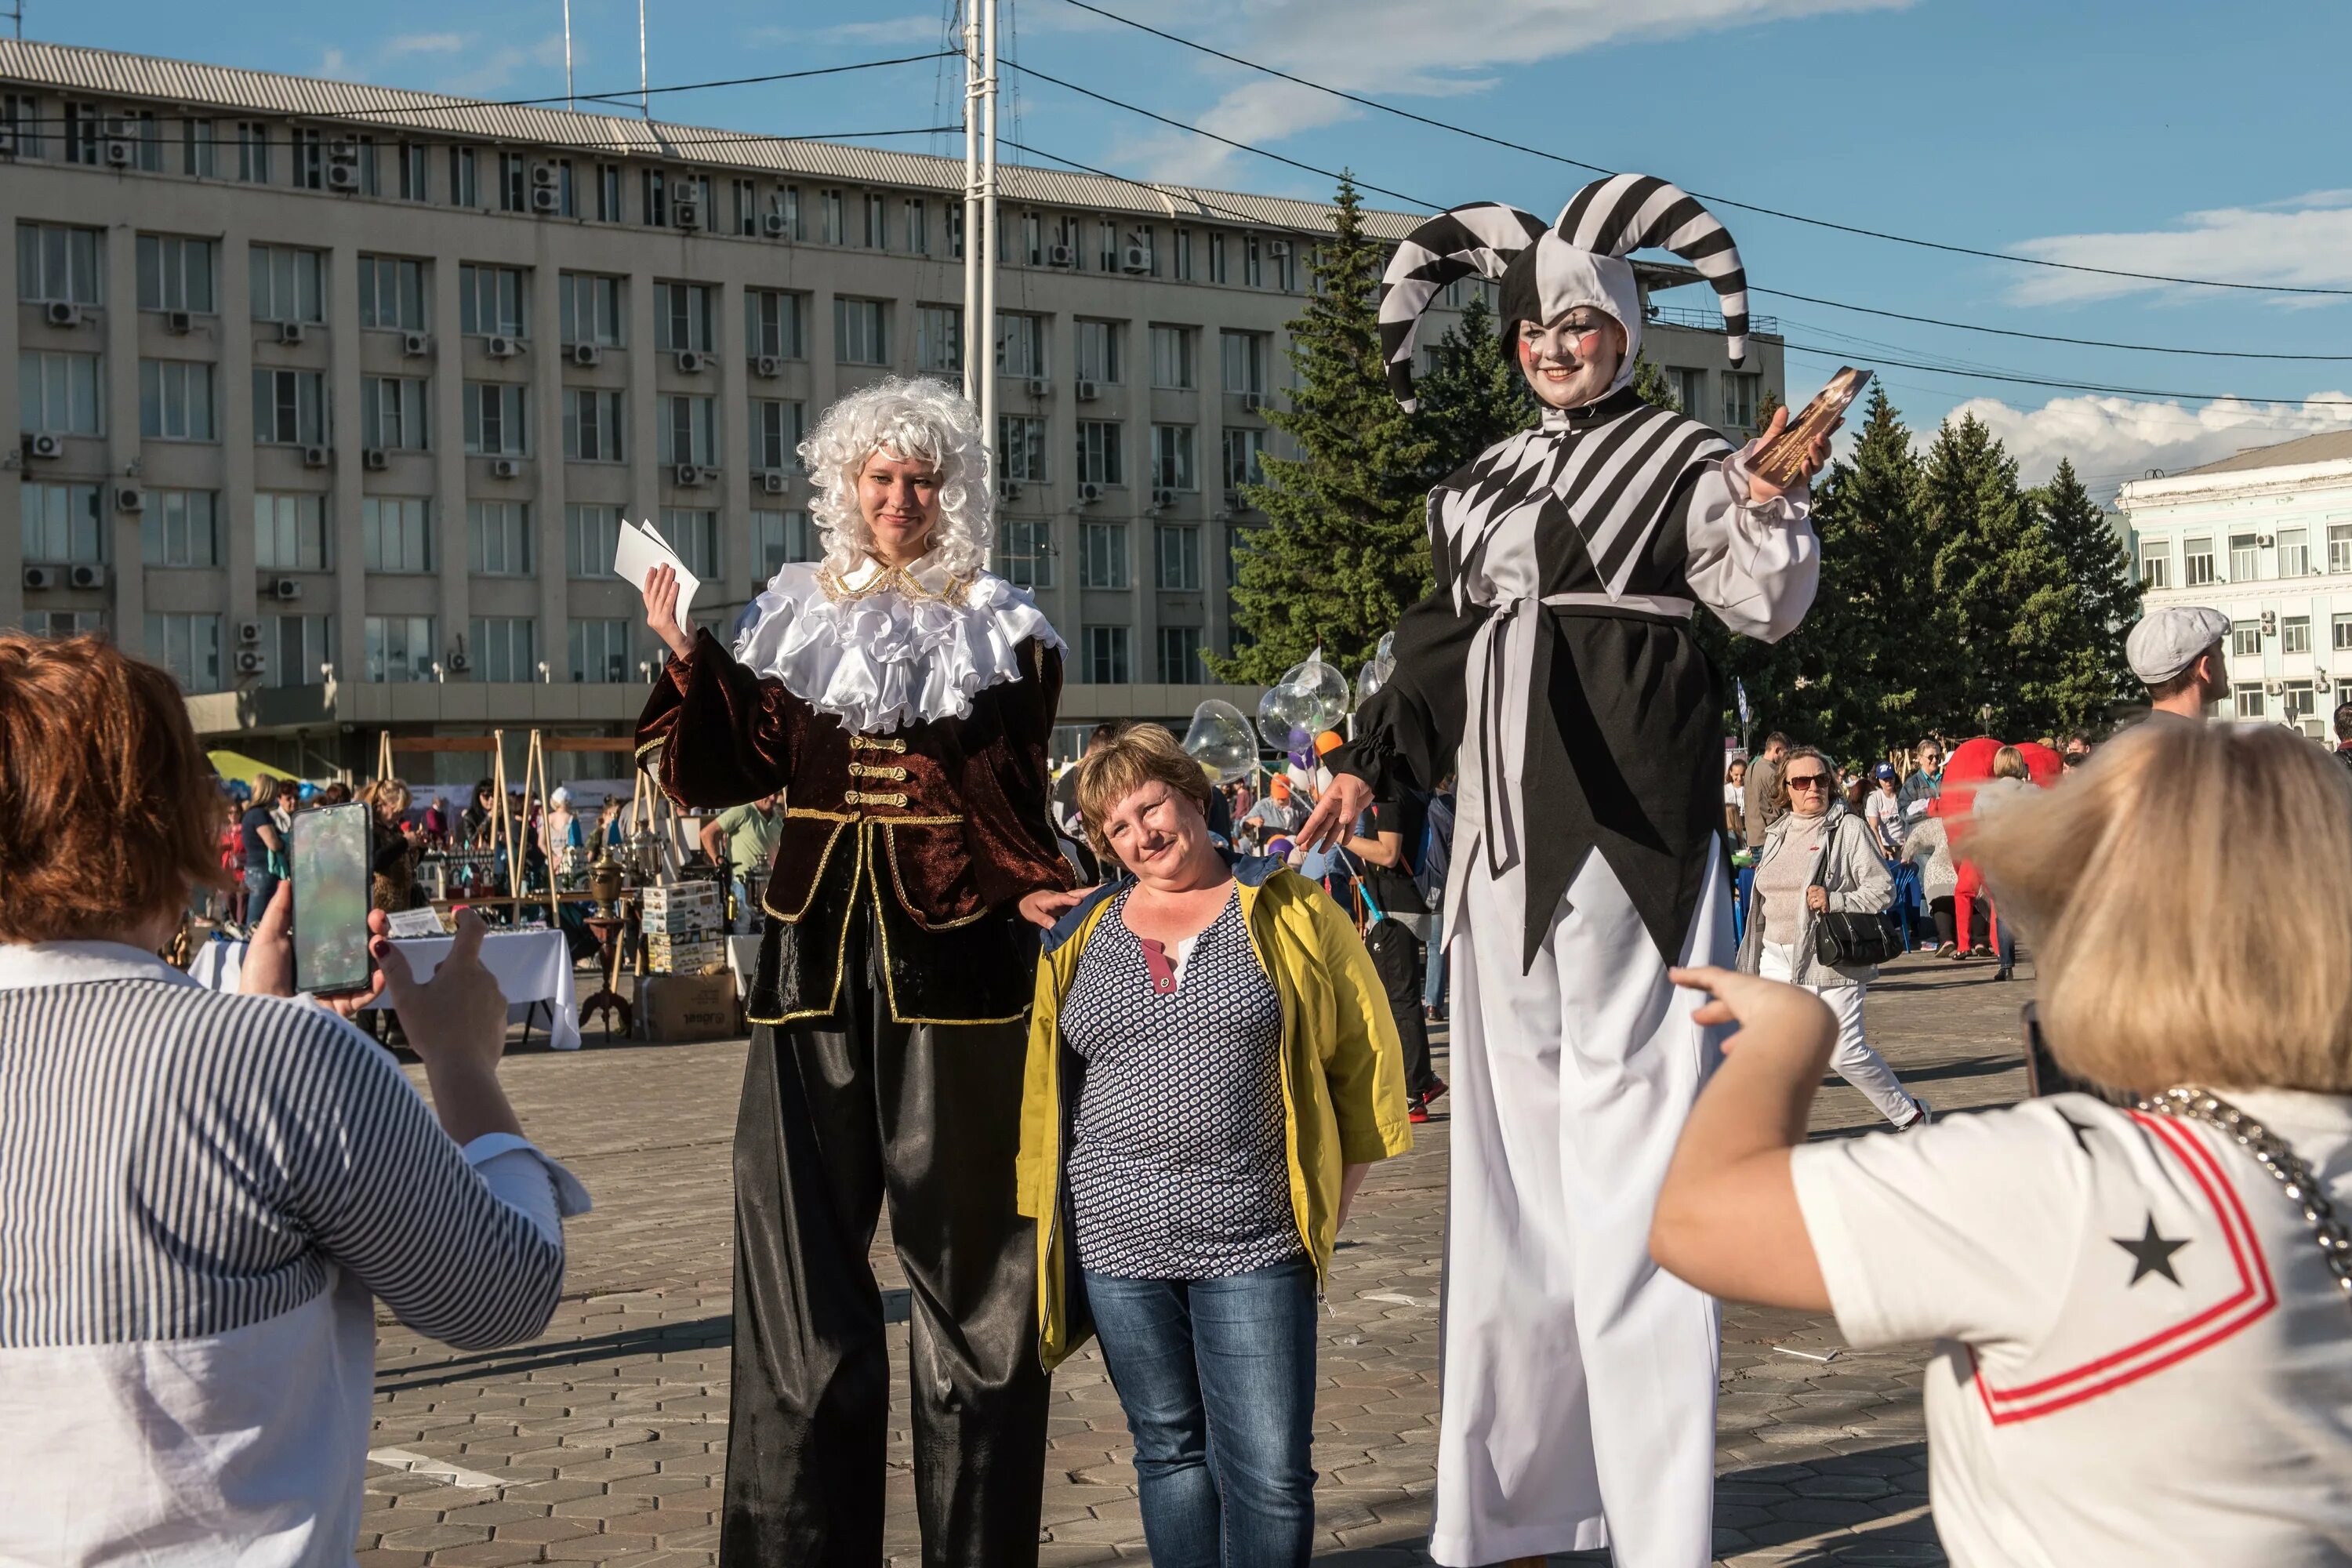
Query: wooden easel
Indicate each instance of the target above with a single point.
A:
(506, 827)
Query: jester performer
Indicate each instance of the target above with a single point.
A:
(1555, 661)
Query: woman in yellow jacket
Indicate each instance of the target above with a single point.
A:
(1211, 1069)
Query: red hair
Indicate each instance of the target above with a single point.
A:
(109, 811)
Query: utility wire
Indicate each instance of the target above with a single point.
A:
(630, 95)
(2043, 337)
(224, 149)
(1703, 195)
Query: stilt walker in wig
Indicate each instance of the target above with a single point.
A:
(1555, 661)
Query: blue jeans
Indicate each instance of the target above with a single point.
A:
(259, 885)
(1433, 990)
(1217, 1377)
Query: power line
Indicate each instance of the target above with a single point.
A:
(2138, 391)
(630, 95)
(1718, 200)
(2043, 337)
(1190, 195)
(225, 148)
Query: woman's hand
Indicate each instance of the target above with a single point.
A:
(455, 1022)
(1817, 899)
(269, 967)
(1335, 814)
(1047, 905)
(1760, 490)
(1773, 1009)
(660, 595)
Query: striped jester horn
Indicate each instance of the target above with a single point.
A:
(1622, 214)
(1478, 236)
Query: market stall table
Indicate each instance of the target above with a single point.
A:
(534, 968)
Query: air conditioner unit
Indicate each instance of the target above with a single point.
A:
(505, 468)
(179, 323)
(686, 212)
(505, 348)
(686, 474)
(691, 361)
(40, 577)
(251, 661)
(1163, 497)
(1134, 259)
(291, 331)
(130, 498)
(2265, 541)
(1061, 256)
(314, 457)
(1089, 492)
(1232, 501)
(343, 177)
(374, 459)
(8, 140)
(775, 482)
(773, 225)
(1039, 386)
(63, 313)
(248, 633)
(587, 353)
(283, 589)
(766, 366)
(343, 152)
(542, 176)
(415, 345)
(2321, 680)
(544, 200)
(118, 153)
(45, 447)
(1277, 248)
(2270, 623)
(1084, 390)
(86, 576)
(457, 663)
(1009, 489)
(2275, 688)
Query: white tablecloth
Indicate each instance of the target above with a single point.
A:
(531, 967)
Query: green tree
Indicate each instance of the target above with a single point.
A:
(1343, 550)
(1475, 395)
(2107, 599)
(1651, 385)
(2005, 603)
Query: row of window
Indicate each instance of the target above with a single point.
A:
(2294, 634)
(2197, 559)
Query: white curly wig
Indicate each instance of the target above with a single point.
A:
(908, 417)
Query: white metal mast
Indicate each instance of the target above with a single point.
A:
(974, 345)
(987, 234)
(570, 99)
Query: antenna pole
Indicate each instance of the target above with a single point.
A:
(570, 100)
(975, 340)
(645, 98)
(988, 237)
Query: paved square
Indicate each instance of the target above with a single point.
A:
(605, 1441)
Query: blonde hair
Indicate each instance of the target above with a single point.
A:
(2166, 894)
(387, 798)
(2008, 763)
(1137, 755)
(911, 418)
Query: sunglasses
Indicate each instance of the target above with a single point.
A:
(1808, 781)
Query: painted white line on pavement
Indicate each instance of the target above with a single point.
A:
(440, 1469)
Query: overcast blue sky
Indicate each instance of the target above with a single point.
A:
(2160, 135)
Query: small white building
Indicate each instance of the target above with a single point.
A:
(2265, 537)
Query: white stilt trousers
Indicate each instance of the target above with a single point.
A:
(1579, 1378)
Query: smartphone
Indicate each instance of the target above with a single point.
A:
(1783, 458)
(328, 855)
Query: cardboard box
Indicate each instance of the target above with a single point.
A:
(679, 1007)
(668, 956)
(680, 897)
(681, 924)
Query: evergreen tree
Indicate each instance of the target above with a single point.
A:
(2107, 598)
(1651, 385)
(1344, 550)
(1475, 395)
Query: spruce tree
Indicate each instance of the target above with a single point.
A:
(1474, 396)
(1344, 548)
(1651, 385)
(2006, 608)
(2107, 598)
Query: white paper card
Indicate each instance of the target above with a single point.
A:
(415, 923)
(639, 550)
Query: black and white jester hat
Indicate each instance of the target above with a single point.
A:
(1544, 271)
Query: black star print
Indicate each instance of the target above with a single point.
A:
(2151, 1254)
(2077, 1129)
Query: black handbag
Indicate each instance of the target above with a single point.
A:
(1849, 940)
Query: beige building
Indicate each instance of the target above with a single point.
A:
(332, 395)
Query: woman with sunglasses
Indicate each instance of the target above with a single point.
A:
(1818, 857)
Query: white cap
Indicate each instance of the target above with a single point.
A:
(561, 797)
(2168, 641)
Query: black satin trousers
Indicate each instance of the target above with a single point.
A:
(839, 1115)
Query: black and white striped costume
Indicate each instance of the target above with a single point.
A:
(1554, 665)
(201, 1198)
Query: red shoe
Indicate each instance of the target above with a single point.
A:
(1436, 1088)
(1416, 1111)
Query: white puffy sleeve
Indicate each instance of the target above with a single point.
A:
(1755, 565)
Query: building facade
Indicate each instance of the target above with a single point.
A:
(332, 396)
(2265, 537)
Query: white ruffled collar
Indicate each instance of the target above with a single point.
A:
(883, 646)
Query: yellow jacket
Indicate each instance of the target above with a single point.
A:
(1343, 1099)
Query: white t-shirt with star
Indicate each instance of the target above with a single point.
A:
(2141, 1355)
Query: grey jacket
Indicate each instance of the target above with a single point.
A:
(1852, 875)
(1929, 847)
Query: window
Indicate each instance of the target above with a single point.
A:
(1106, 662)
(20, 115)
(496, 425)
(918, 226)
(877, 221)
(502, 537)
(290, 532)
(2300, 707)
(175, 400)
(600, 652)
(1180, 655)
(286, 284)
(62, 525)
(682, 314)
(57, 263)
(2294, 552)
(1098, 452)
(464, 191)
(294, 646)
(396, 533)
(1172, 458)
(1741, 388)
(939, 339)
(392, 293)
(591, 536)
(1253, 269)
(1243, 450)
(2339, 547)
(747, 207)
(514, 183)
(1020, 344)
(693, 533)
(180, 527)
(654, 205)
(592, 425)
(57, 395)
(65, 623)
(506, 648)
(2244, 564)
(1033, 238)
(1102, 555)
(2156, 561)
(290, 408)
(1028, 553)
(1021, 448)
(775, 322)
(590, 309)
(309, 160)
(835, 233)
(2340, 632)
(189, 646)
(1690, 389)
(780, 537)
(788, 203)
(689, 430)
(2251, 703)
(608, 193)
(196, 150)
(175, 274)
(400, 647)
(776, 429)
(1107, 246)
(2197, 562)
(392, 412)
(253, 152)
(489, 301)
(1098, 351)
(411, 158)
(2246, 639)
(859, 335)
(2294, 633)
(1171, 358)
(1245, 357)
(1176, 547)
(146, 145)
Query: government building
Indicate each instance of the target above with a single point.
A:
(332, 396)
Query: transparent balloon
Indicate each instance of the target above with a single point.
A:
(1221, 741)
(1369, 679)
(1310, 698)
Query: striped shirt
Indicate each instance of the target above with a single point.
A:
(201, 1197)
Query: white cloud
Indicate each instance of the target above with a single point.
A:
(2303, 241)
(424, 44)
(487, 72)
(2111, 439)
(331, 64)
(885, 30)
